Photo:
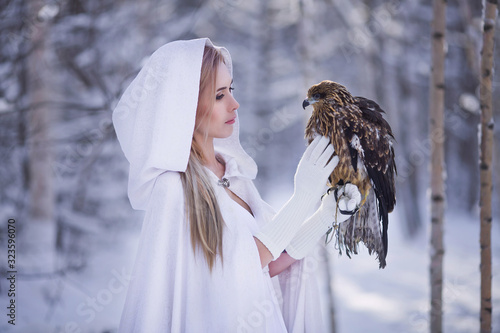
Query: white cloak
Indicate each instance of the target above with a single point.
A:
(172, 288)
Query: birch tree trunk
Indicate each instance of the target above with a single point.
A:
(40, 232)
(436, 132)
(486, 154)
(306, 43)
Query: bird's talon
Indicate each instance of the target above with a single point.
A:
(327, 192)
(337, 197)
(349, 212)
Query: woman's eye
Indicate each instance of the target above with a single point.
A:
(219, 97)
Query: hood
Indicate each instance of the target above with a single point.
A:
(154, 119)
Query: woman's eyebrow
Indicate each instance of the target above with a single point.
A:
(222, 88)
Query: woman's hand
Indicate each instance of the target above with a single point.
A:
(334, 209)
(314, 168)
(310, 179)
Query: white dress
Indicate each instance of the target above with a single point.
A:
(237, 296)
(172, 288)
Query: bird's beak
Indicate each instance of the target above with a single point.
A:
(307, 102)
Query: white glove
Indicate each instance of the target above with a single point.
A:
(348, 197)
(313, 171)
(330, 213)
(310, 179)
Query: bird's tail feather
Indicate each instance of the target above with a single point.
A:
(364, 227)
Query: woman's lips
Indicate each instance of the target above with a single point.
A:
(230, 122)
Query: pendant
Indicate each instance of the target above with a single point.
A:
(224, 182)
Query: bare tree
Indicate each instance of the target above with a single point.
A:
(436, 132)
(306, 36)
(41, 231)
(486, 154)
(306, 43)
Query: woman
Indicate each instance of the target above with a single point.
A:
(209, 244)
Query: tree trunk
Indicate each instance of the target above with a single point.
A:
(436, 136)
(486, 153)
(309, 70)
(306, 42)
(41, 230)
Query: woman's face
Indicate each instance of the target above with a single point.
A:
(221, 122)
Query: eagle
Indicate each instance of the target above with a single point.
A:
(363, 141)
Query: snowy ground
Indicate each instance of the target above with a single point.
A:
(396, 299)
(366, 299)
(87, 301)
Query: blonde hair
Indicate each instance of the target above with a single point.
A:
(202, 209)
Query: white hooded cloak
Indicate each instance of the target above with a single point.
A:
(172, 288)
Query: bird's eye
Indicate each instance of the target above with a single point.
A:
(316, 96)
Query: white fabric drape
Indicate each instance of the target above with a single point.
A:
(172, 289)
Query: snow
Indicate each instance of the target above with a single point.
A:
(469, 103)
(396, 299)
(48, 12)
(366, 299)
(4, 106)
(83, 301)
(109, 43)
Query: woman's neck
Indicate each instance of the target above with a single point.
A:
(210, 159)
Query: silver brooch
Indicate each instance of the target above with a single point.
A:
(224, 182)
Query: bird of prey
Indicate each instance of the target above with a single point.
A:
(363, 140)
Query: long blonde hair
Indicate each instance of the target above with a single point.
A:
(202, 209)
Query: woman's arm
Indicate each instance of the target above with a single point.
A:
(265, 255)
(277, 266)
(309, 184)
(316, 226)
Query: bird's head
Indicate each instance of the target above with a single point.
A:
(328, 92)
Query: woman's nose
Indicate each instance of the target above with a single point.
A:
(235, 105)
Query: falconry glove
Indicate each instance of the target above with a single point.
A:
(335, 209)
(310, 178)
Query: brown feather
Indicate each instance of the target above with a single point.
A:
(363, 140)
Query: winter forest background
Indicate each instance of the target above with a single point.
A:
(63, 176)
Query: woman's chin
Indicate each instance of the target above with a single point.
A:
(225, 134)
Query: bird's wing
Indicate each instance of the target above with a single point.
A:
(378, 153)
(370, 140)
(372, 112)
